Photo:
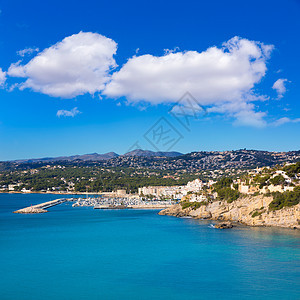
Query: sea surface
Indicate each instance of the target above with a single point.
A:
(82, 253)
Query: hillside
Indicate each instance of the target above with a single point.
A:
(175, 161)
(204, 160)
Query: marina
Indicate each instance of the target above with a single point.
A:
(103, 202)
(123, 203)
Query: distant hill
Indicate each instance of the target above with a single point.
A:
(202, 160)
(100, 157)
(84, 157)
(147, 153)
(190, 162)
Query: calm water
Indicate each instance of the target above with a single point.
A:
(81, 253)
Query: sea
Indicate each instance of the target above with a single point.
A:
(83, 253)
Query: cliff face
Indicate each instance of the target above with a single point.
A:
(251, 211)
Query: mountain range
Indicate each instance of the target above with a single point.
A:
(189, 162)
(101, 157)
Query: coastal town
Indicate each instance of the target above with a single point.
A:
(260, 180)
(157, 197)
(272, 189)
(134, 170)
(261, 197)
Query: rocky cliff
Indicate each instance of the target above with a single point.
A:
(253, 211)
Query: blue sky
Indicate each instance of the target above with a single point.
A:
(97, 76)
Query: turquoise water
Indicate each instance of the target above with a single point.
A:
(81, 253)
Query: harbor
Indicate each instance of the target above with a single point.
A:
(123, 203)
(103, 202)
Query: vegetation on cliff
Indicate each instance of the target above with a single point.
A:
(277, 180)
(193, 205)
(293, 169)
(224, 190)
(261, 180)
(288, 198)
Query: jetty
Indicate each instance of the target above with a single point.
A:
(41, 208)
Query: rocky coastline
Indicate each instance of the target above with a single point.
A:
(250, 210)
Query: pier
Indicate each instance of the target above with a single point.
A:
(41, 208)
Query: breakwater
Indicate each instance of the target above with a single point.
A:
(41, 208)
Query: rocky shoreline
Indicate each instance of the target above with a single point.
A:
(250, 210)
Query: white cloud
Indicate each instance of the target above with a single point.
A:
(243, 113)
(68, 113)
(13, 87)
(168, 51)
(77, 65)
(2, 77)
(16, 69)
(27, 51)
(285, 120)
(279, 86)
(250, 118)
(222, 78)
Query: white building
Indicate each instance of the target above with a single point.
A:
(174, 192)
(198, 198)
(121, 192)
(11, 187)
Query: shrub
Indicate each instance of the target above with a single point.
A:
(289, 198)
(261, 180)
(228, 194)
(185, 204)
(193, 205)
(222, 183)
(277, 180)
(292, 170)
(256, 214)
